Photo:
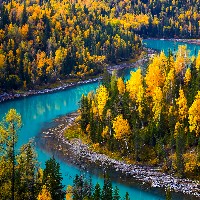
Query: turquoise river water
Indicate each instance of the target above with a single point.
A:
(39, 110)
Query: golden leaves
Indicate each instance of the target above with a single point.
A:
(198, 62)
(13, 117)
(133, 85)
(44, 194)
(154, 77)
(194, 115)
(105, 132)
(121, 127)
(101, 97)
(120, 86)
(60, 55)
(191, 162)
(188, 76)
(2, 60)
(182, 59)
(181, 102)
(157, 103)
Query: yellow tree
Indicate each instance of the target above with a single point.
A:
(44, 194)
(121, 127)
(155, 76)
(8, 139)
(101, 98)
(187, 77)
(182, 60)
(41, 63)
(169, 82)
(69, 192)
(181, 102)
(120, 86)
(105, 132)
(133, 85)
(140, 98)
(60, 55)
(136, 90)
(198, 62)
(157, 103)
(2, 60)
(194, 115)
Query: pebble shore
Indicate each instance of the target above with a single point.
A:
(9, 96)
(145, 174)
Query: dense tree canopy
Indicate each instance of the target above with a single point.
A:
(153, 117)
(41, 41)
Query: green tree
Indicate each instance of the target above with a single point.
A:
(81, 188)
(52, 178)
(27, 171)
(97, 192)
(116, 194)
(127, 196)
(107, 190)
(180, 148)
(10, 126)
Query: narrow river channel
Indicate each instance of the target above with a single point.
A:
(38, 111)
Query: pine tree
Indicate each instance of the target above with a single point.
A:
(97, 192)
(81, 188)
(52, 178)
(116, 194)
(180, 148)
(107, 190)
(127, 196)
(27, 185)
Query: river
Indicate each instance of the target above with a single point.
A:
(38, 111)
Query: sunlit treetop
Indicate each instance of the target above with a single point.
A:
(194, 115)
(121, 127)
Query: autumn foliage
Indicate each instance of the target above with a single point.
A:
(152, 114)
(42, 41)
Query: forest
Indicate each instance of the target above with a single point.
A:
(46, 41)
(21, 176)
(153, 118)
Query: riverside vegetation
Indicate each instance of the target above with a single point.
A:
(122, 129)
(153, 118)
(45, 41)
(22, 178)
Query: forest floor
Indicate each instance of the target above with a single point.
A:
(80, 153)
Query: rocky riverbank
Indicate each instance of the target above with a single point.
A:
(80, 154)
(9, 96)
(12, 95)
(189, 41)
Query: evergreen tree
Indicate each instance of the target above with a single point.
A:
(52, 178)
(27, 185)
(127, 196)
(97, 192)
(107, 193)
(81, 188)
(116, 194)
(180, 147)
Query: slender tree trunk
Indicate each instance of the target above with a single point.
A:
(13, 163)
